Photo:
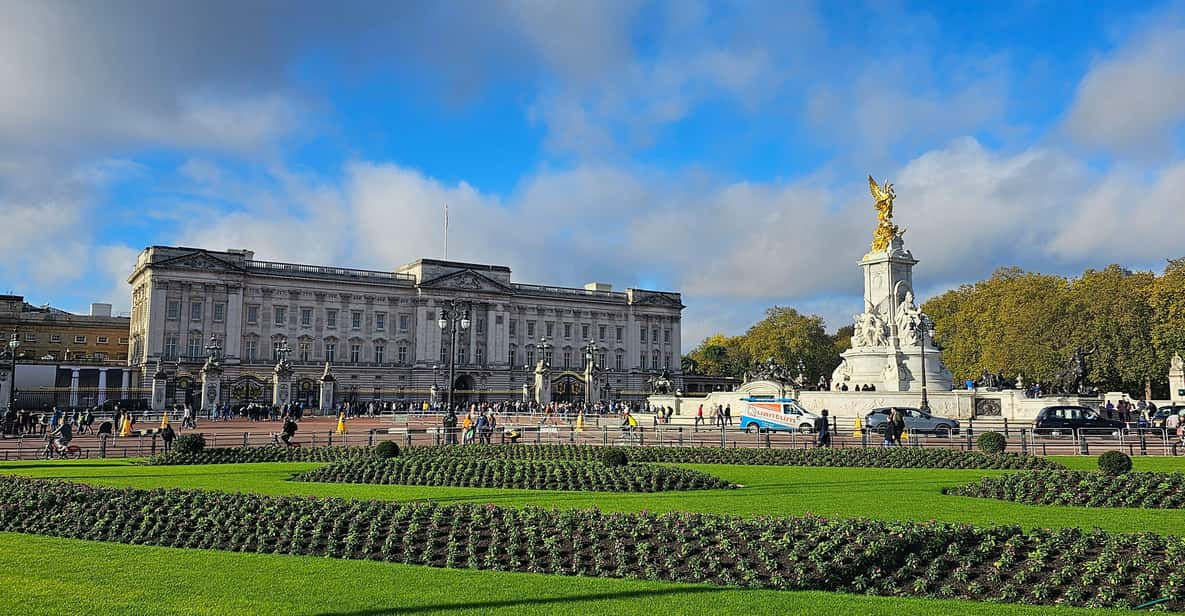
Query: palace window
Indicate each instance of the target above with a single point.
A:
(567, 358)
(642, 360)
(380, 350)
(620, 333)
(666, 361)
(642, 331)
(355, 353)
(513, 329)
(404, 322)
(567, 330)
(530, 329)
(330, 352)
(479, 355)
(462, 354)
(252, 315)
(530, 356)
(584, 332)
(79, 339)
(55, 338)
(306, 351)
(550, 329)
(402, 351)
(380, 321)
(601, 333)
(306, 317)
(655, 364)
(195, 345)
(170, 351)
(195, 311)
(102, 339)
(251, 350)
(30, 337)
(666, 336)
(173, 310)
(513, 356)
(281, 315)
(123, 340)
(620, 360)
(654, 335)
(481, 327)
(331, 318)
(219, 312)
(356, 319)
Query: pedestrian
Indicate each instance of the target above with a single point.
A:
(728, 414)
(450, 427)
(898, 426)
(822, 431)
(167, 435)
(699, 417)
(889, 427)
(105, 428)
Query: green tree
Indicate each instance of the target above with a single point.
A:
(1115, 318)
(790, 337)
(719, 355)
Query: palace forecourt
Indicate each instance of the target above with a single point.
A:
(379, 330)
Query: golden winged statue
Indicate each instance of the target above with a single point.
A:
(885, 229)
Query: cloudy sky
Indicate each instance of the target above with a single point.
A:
(718, 149)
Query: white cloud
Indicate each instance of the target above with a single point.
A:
(1131, 100)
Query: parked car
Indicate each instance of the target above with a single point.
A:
(769, 414)
(1163, 412)
(916, 420)
(1053, 419)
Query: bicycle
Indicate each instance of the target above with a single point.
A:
(69, 452)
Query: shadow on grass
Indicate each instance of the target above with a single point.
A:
(511, 603)
(62, 465)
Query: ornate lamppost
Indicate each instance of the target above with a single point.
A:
(922, 327)
(13, 344)
(450, 319)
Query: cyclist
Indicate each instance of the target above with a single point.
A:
(64, 435)
(288, 431)
(628, 423)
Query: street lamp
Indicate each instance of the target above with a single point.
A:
(13, 343)
(922, 327)
(450, 318)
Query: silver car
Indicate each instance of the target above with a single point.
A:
(916, 420)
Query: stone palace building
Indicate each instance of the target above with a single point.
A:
(379, 329)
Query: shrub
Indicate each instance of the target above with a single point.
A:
(243, 455)
(615, 457)
(188, 444)
(991, 442)
(1082, 489)
(1115, 463)
(386, 449)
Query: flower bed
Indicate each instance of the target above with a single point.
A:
(1083, 489)
(1005, 563)
(240, 455)
(871, 457)
(508, 473)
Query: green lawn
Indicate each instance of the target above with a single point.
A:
(898, 494)
(44, 575)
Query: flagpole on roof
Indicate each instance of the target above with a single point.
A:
(446, 232)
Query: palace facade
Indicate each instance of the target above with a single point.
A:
(379, 330)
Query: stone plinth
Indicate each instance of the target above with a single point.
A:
(328, 386)
(1177, 379)
(211, 385)
(282, 384)
(160, 381)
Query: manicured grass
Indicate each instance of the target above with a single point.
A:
(47, 575)
(892, 494)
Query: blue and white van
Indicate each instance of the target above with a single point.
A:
(771, 414)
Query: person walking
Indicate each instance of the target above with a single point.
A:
(699, 417)
(167, 434)
(822, 431)
(728, 414)
(898, 426)
(889, 427)
(450, 427)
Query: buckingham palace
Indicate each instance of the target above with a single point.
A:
(379, 332)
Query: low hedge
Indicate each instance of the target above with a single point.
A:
(508, 473)
(241, 455)
(902, 457)
(921, 559)
(1082, 489)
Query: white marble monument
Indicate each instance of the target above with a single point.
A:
(1177, 379)
(891, 334)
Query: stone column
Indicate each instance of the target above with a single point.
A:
(123, 388)
(159, 382)
(281, 383)
(74, 387)
(211, 385)
(1177, 379)
(328, 384)
(6, 381)
(542, 383)
(102, 386)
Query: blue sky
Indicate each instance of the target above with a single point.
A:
(718, 149)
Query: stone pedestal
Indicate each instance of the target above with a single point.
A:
(328, 387)
(526, 393)
(1177, 379)
(886, 348)
(281, 384)
(433, 395)
(542, 383)
(590, 382)
(160, 381)
(6, 379)
(211, 385)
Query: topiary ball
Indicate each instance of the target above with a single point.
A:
(386, 449)
(188, 444)
(615, 457)
(1115, 463)
(991, 442)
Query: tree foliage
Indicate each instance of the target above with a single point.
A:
(785, 335)
(1027, 323)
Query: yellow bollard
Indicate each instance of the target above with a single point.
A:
(126, 428)
(164, 421)
(858, 432)
(580, 422)
(341, 423)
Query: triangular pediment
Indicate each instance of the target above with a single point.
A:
(466, 280)
(198, 260)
